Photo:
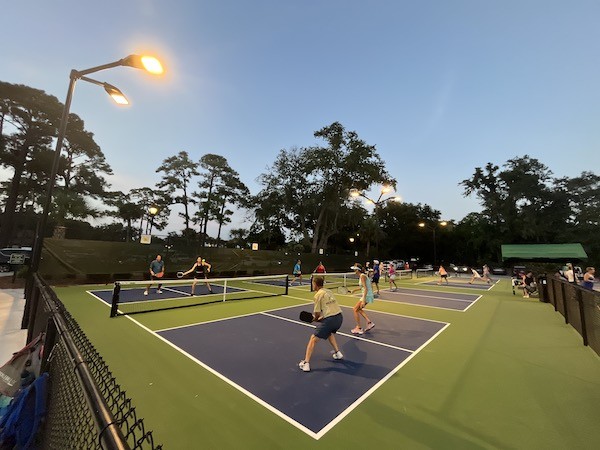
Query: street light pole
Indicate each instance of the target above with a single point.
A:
(385, 189)
(153, 210)
(432, 228)
(150, 64)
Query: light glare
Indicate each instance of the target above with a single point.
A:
(152, 65)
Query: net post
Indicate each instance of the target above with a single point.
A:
(115, 300)
(311, 279)
(287, 284)
(224, 290)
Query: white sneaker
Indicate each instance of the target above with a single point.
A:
(369, 326)
(338, 355)
(145, 292)
(356, 330)
(159, 291)
(304, 366)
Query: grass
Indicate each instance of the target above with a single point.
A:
(507, 373)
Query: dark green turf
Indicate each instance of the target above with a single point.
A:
(507, 373)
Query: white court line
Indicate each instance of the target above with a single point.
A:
(431, 296)
(224, 318)
(271, 408)
(363, 397)
(179, 292)
(420, 305)
(299, 322)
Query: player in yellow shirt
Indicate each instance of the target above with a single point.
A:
(328, 317)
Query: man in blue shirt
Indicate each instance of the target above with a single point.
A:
(157, 270)
(297, 272)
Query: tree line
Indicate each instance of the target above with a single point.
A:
(303, 202)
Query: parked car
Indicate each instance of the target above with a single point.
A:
(5, 256)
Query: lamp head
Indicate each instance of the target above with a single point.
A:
(422, 224)
(153, 210)
(146, 62)
(354, 192)
(116, 94)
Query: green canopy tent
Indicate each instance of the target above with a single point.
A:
(543, 252)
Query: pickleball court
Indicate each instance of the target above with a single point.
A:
(259, 354)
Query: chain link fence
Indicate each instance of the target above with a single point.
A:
(87, 409)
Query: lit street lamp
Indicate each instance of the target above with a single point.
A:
(148, 63)
(385, 189)
(432, 228)
(153, 210)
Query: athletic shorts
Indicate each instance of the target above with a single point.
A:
(154, 277)
(393, 277)
(328, 326)
(444, 276)
(375, 278)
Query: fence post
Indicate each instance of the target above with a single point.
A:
(564, 301)
(579, 297)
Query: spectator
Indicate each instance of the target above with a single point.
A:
(569, 274)
(529, 286)
(588, 278)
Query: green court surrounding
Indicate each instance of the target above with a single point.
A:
(507, 373)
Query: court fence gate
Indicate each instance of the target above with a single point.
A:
(579, 306)
(86, 407)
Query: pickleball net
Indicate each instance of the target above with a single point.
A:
(422, 273)
(335, 280)
(404, 274)
(129, 298)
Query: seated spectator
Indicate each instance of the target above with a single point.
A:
(529, 286)
(588, 278)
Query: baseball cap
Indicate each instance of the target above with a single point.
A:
(356, 266)
(375, 261)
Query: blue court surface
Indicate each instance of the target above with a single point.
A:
(259, 354)
(463, 284)
(174, 291)
(434, 299)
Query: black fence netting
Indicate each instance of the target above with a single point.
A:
(86, 407)
(580, 308)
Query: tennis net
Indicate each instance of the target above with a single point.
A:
(335, 280)
(422, 273)
(132, 297)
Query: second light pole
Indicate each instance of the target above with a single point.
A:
(432, 228)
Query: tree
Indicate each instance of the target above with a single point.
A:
(310, 185)
(29, 119)
(81, 171)
(522, 202)
(219, 185)
(178, 172)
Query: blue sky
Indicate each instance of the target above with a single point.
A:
(440, 87)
